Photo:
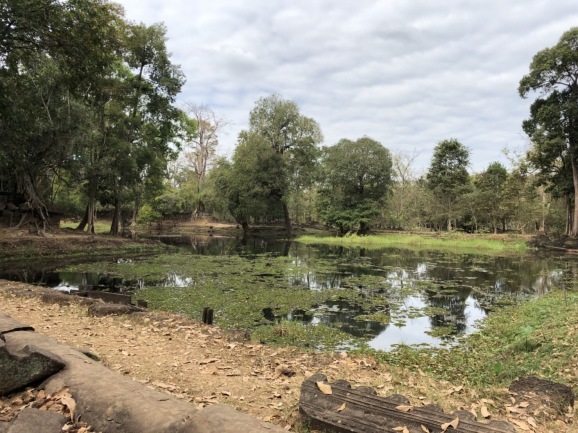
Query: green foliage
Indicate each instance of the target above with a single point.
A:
(292, 136)
(254, 182)
(147, 214)
(87, 97)
(448, 177)
(552, 125)
(355, 180)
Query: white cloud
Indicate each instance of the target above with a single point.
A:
(408, 74)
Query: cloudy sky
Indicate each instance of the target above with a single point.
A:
(407, 73)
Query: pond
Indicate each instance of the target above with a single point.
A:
(326, 296)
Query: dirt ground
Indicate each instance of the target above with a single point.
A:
(206, 365)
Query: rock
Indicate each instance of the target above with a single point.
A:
(541, 393)
(36, 420)
(26, 366)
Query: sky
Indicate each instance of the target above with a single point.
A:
(407, 73)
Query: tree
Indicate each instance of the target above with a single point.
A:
(292, 136)
(356, 177)
(52, 53)
(201, 147)
(135, 124)
(553, 123)
(253, 182)
(490, 186)
(447, 176)
(404, 191)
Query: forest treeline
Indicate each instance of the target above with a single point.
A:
(89, 121)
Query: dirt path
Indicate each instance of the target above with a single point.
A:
(205, 365)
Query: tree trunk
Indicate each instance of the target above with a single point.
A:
(26, 185)
(363, 228)
(245, 226)
(574, 231)
(135, 210)
(568, 214)
(115, 218)
(91, 207)
(83, 221)
(287, 219)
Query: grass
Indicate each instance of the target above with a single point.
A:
(537, 337)
(474, 243)
(101, 227)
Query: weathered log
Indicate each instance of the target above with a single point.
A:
(360, 410)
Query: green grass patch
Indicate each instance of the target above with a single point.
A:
(538, 337)
(463, 242)
(318, 336)
(101, 227)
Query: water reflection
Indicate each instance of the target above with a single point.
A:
(401, 296)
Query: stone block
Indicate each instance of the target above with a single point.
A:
(35, 420)
(27, 366)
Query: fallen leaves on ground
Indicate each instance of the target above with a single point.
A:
(61, 402)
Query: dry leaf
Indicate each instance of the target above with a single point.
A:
(532, 422)
(425, 429)
(484, 412)
(70, 404)
(404, 408)
(515, 410)
(402, 429)
(524, 404)
(453, 424)
(521, 424)
(340, 408)
(324, 388)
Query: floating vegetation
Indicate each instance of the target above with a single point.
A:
(425, 297)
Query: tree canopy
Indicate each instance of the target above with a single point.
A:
(553, 122)
(355, 179)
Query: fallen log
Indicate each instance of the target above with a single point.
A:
(339, 408)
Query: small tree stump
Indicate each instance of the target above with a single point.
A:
(360, 410)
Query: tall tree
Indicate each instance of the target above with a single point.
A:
(292, 136)
(356, 177)
(553, 125)
(52, 53)
(448, 176)
(201, 147)
(404, 190)
(253, 182)
(136, 123)
(490, 186)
